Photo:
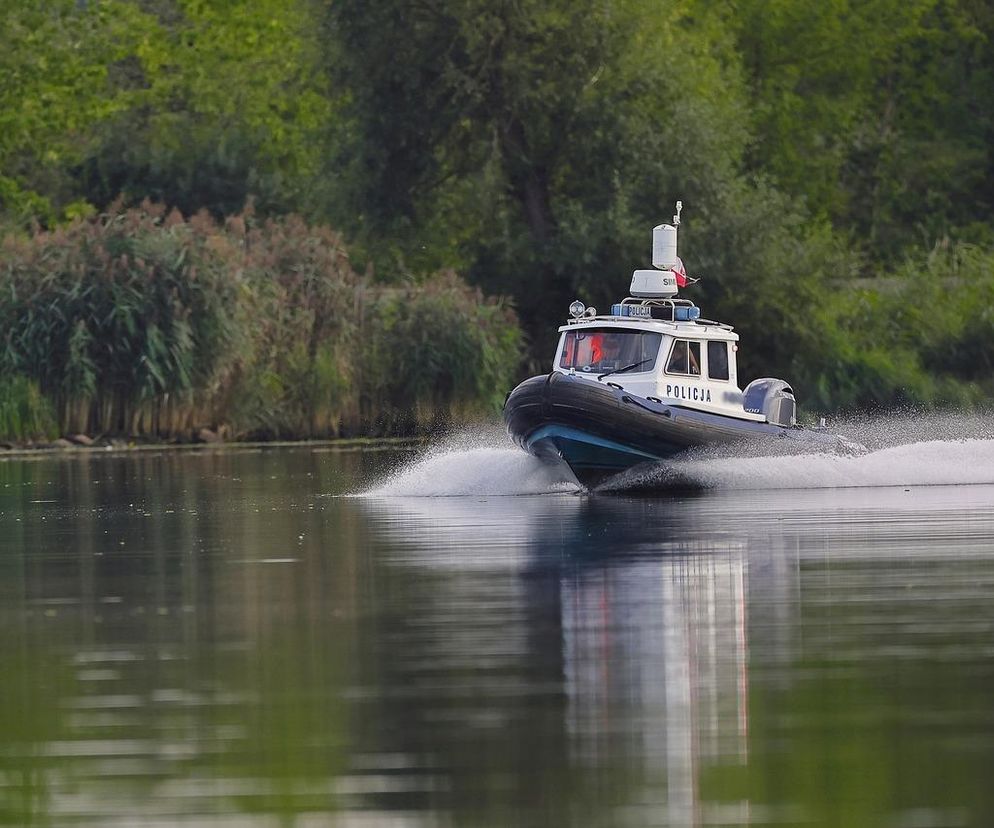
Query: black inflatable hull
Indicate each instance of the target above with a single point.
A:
(600, 430)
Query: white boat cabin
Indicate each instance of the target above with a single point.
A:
(686, 362)
(655, 345)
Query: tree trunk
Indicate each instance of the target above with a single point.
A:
(528, 181)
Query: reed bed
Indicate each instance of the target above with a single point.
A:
(143, 323)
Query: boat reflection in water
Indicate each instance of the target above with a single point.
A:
(644, 634)
(185, 642)
(679, 665)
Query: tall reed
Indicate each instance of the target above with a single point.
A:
(24, 413)
(300, 379)
(140, 322)
(125, 322)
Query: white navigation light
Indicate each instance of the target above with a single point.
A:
(576, 309)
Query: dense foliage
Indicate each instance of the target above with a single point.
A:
(836, 160)
(142, 323)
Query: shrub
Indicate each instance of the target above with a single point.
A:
(435, 352)
(921, 336)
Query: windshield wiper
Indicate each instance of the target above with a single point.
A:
(626, 368)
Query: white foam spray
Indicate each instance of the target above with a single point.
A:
(905, 450)
(933, 463)
(473, 463)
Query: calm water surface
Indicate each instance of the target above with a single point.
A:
(221, 638)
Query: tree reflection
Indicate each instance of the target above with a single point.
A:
(181, 648)
(209, 637)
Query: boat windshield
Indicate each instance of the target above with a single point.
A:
(609, 349)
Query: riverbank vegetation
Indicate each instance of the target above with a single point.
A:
(142, 323)
(835, 160)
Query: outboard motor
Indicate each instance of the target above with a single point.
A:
(773, 398)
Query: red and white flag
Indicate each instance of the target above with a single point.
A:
(681, 273)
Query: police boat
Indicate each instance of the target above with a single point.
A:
(647, 381)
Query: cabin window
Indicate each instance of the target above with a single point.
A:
(718, 360)
(610, 349)
(685, 358)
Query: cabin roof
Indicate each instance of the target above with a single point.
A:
(696, 329)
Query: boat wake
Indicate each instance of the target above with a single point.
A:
(473, 464)
(902, 450)
(933, 463)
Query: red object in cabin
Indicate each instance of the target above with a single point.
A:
(596, 348)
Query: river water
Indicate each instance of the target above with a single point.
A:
(312, 637)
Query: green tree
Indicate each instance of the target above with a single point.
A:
(198, 105)
(532, 142)
(228, 103)
(54, 88)
(877, 113)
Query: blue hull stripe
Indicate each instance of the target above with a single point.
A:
(581, 449)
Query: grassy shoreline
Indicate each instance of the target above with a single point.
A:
(118, 446)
